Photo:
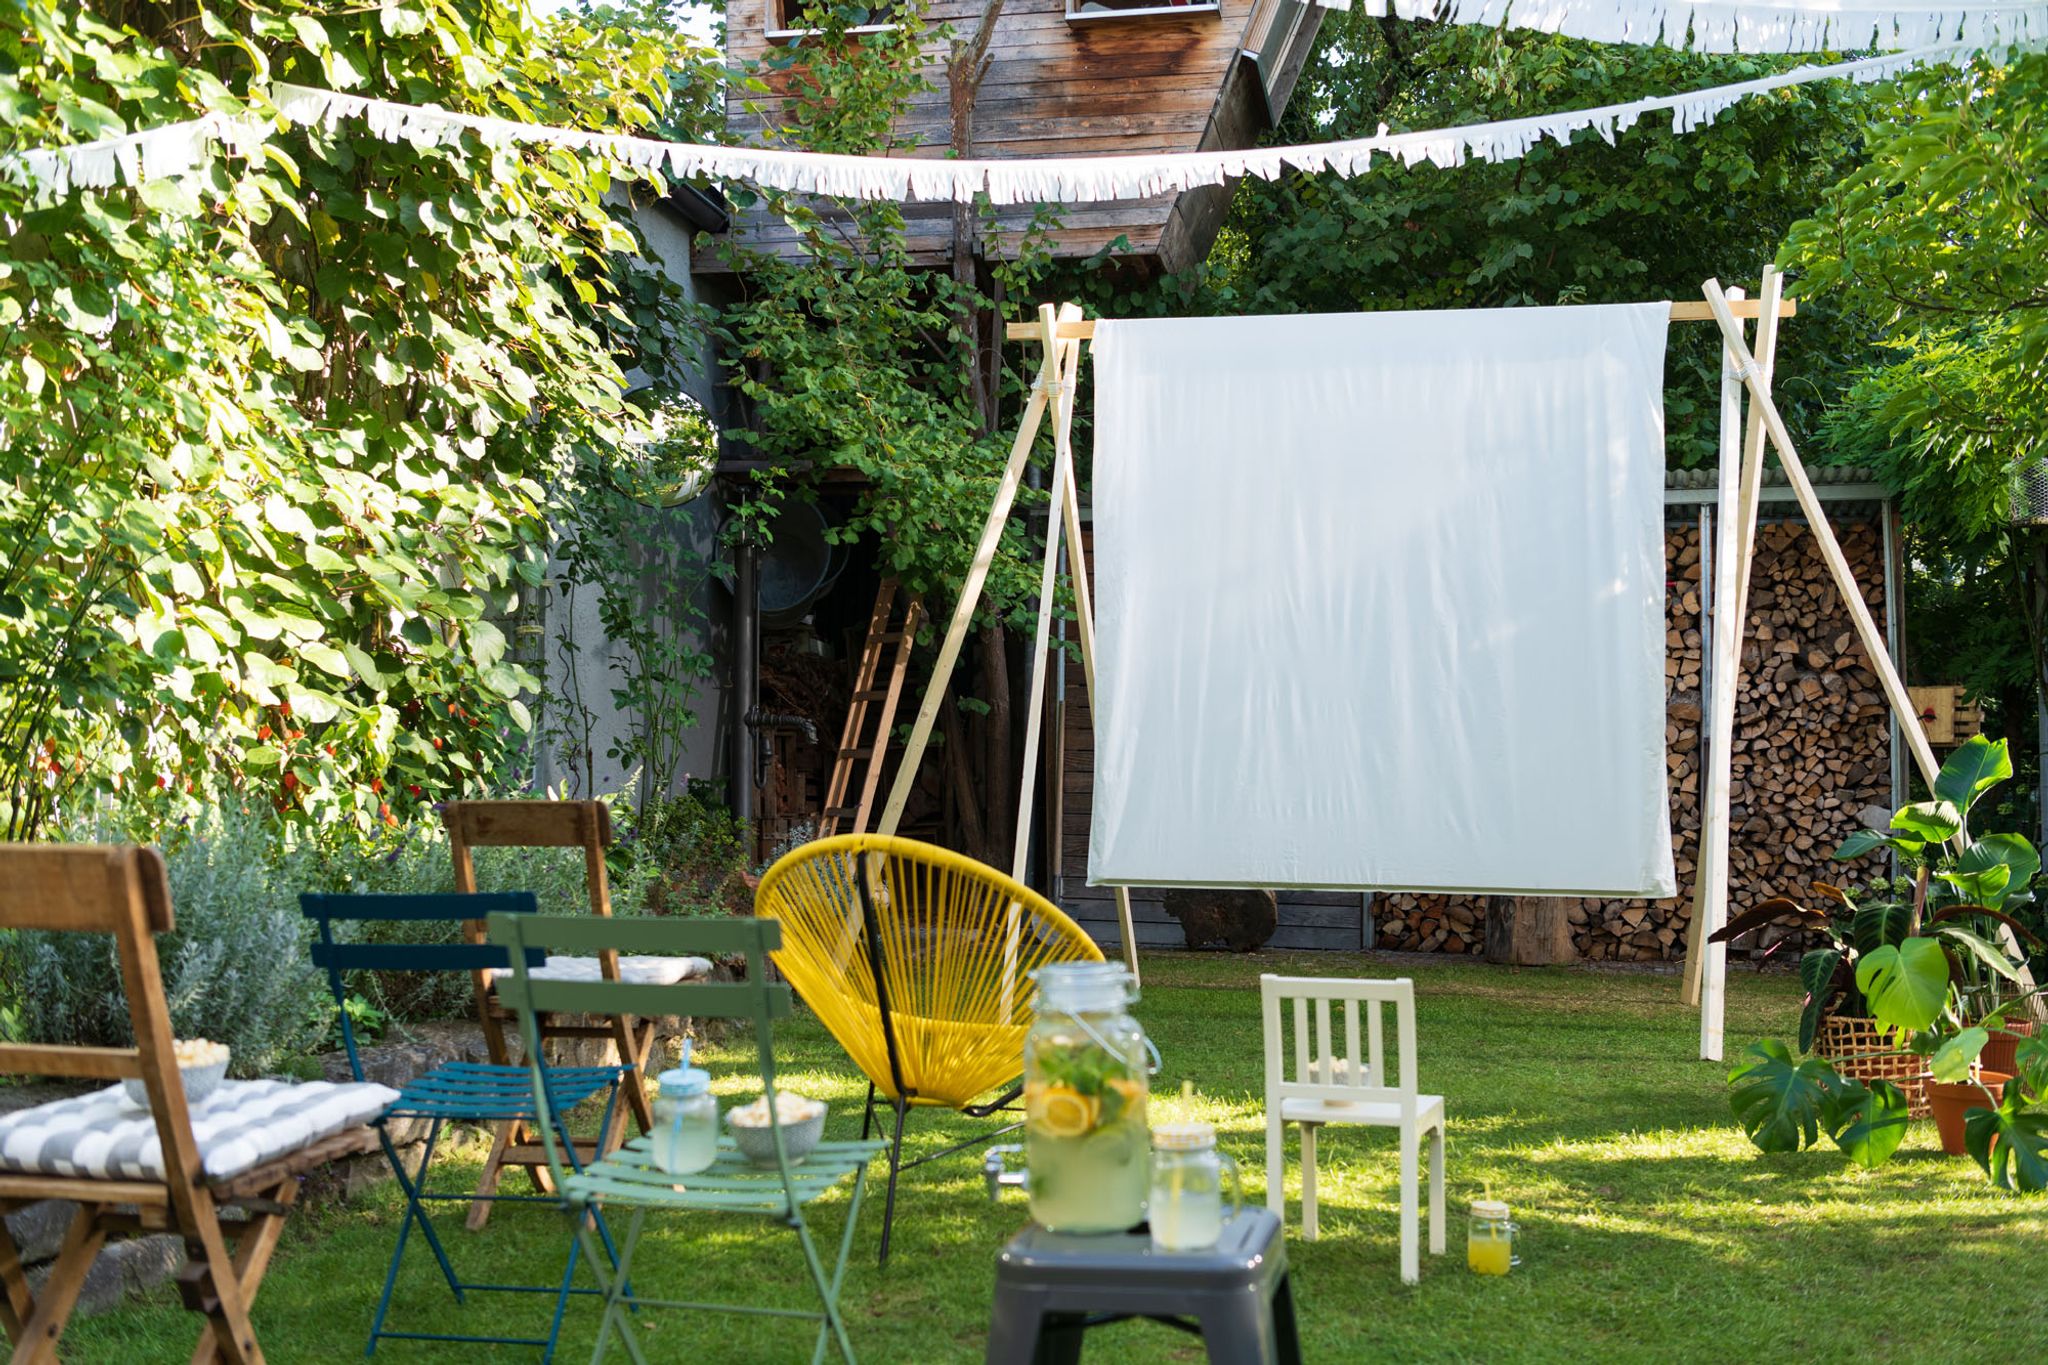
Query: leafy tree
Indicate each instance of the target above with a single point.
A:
(1651, 216)
(1934, 244)
(281, 434)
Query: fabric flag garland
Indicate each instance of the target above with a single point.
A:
(177, 148)
(1751, 26)
(153, 154)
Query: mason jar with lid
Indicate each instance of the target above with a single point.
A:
(685, 1133)
(1188, 1177)
(1490, 1238)
(1086, 1082)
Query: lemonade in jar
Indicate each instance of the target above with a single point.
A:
(1087, 1145)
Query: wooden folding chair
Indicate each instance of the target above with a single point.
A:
(550, 824)
(122, 891)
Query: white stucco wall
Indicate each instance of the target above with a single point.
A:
(590, 670)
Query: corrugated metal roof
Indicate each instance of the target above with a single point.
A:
(1774, 477)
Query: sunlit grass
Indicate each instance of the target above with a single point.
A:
(1652, 1230)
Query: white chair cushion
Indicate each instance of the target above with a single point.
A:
(639, 969)
(241, 1125)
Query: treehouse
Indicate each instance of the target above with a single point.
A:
(1069, 78)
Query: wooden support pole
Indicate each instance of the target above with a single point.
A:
(1838, 565)
(1084, 620)
(1710, 869)
(1707, 963)
(1831, 551)
(977, 576)
(1034, 707)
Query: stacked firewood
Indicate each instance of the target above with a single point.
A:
(1811, 750)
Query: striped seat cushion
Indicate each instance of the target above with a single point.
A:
(241, 1125)
(637, 968)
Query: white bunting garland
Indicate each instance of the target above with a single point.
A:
(1752, 26)
(179, 147)
(1091, 178)
(131, 158)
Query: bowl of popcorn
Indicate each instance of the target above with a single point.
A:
(801, 1120)
(201, 1065)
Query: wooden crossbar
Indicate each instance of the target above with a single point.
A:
(1682, 311)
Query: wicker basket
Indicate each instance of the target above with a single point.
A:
(1856, 1049)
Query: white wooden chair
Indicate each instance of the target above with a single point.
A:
(1332, 1081)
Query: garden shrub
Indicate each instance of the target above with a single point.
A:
(235, 967)
(685, 855)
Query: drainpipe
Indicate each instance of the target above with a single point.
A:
(746, 671)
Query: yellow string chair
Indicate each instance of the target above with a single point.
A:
(918, 961)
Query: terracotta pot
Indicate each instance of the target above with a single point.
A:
(1952, 1100)
(2001, 1054)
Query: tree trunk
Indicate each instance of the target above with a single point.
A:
(960, 773)
(998, 769)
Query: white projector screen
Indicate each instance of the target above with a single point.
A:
(1380, 602)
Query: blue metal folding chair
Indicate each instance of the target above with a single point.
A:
(461, 1091)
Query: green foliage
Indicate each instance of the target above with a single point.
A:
(2010, 1143)
(688, 855)
(1652, 216)
(1931, 246)
(1905, 984)
(1867, 1122)
(236, 967)
(1784, 1105)
(853, 358)
(1819, 971)
(627, 540)
(1925, 968)
(1778, 1101)
(1934, 241)
(281, 434)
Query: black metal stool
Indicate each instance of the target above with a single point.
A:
(1051, 1288)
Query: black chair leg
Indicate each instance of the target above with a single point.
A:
(895, 1168)
(867, 1115)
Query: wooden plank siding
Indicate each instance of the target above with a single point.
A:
(1123, 86)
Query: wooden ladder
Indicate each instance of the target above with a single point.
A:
(872, 711)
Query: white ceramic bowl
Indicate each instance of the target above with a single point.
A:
(757, 1144)
(200, 1081)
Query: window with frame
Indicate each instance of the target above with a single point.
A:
(1082, 11)
(786, 18)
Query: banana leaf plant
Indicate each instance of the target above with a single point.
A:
(1919, 956)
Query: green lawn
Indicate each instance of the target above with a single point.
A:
(1652, 1230)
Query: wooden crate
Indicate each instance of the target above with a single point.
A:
(1947, 718)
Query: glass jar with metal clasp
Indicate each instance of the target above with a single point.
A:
(1087, 1068)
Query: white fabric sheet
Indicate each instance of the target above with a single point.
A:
(1380, 602)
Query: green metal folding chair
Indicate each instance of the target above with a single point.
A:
(628, 1177)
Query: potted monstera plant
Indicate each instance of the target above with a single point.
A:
(1920, 957)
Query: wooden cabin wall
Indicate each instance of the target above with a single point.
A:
(1054, 88)
(1812, 749)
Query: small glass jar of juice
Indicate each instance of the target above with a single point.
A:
(1086, 1142)
(1490, 1239)
(685, 1134)
(1188, 1177)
